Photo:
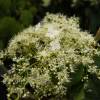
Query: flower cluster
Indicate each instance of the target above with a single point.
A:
(50, 60)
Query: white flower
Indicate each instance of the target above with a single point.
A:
(52, 31)
(55, 45)
(37, 26)
(43, 53)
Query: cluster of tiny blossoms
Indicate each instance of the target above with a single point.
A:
(49, 58)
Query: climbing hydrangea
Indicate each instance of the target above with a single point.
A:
(50, 60)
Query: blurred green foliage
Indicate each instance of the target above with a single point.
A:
(8, 26)
(14, 16)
